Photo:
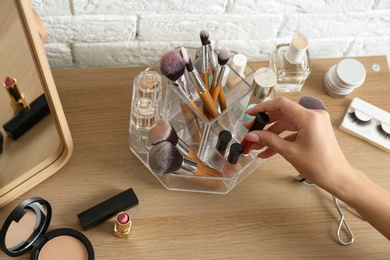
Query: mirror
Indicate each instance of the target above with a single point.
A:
(25, 228)
(46, 146)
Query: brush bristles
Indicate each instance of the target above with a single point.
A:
(172, 65)
(204, 37)
(311, 102)
(187, 59)
(162, 131)
(223, 56)
(164, 158)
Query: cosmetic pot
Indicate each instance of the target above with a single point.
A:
(342, 78)
(25, 230)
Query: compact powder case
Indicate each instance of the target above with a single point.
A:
(25, 230)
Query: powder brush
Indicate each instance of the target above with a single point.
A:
(173, 66)
(165, 158)
(163, 131)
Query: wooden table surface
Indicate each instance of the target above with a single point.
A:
(268, 215)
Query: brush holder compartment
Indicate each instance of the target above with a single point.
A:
(199, 134)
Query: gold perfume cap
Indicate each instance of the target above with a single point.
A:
(263, 81)
(297, 48)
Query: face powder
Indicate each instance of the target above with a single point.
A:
(63, 248)
(20, 231)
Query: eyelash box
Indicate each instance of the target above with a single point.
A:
(368, 122)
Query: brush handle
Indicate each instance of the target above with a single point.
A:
(205, 79)
(191, 122)
(214, 91)
(195, 106)
(204, 170)
(208, 103)
(222, 99)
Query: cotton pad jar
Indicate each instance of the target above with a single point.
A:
(25, 230)
(342, 78)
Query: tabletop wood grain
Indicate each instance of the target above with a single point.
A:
(267, 216)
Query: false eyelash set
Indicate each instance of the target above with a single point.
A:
(368, 122)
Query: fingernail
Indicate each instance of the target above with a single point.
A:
(252, 137)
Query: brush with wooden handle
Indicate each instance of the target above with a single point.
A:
(216, 88)
(173, 66)
(204, 94)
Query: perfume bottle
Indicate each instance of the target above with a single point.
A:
(291, 64)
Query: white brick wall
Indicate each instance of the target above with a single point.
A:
(95, 33)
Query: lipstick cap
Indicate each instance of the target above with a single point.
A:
(236, 150)
(224, 137)
(261, 120)
(108, 208)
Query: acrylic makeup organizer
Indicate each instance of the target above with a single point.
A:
(186, 120)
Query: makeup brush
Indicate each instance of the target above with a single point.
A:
(311, 102)
(204, 38)
(212, 57)
(216, 88)
(173, 66)
(204, 94)
(164, 158)
(163, 131)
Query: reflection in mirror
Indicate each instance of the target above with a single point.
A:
(24, 230)
(23, 61)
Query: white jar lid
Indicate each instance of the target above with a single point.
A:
(350, 73)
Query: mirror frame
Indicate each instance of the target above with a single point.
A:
(35, 37)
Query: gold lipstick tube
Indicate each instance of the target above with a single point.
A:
(122, 225)
(17, 100)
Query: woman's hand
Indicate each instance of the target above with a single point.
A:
(308, 141)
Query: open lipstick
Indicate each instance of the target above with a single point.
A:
(260, 121)
(26, 116)
(17, 99)
(122, 225)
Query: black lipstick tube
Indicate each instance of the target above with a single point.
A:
(27, 118)
(107, 209)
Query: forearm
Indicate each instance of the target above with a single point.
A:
(369, 199)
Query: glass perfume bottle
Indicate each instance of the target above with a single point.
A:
(291, 64)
